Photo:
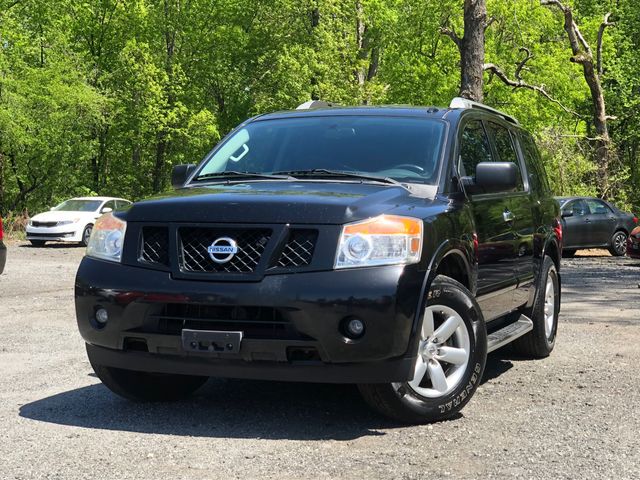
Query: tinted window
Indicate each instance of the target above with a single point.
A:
(397, 147)
(474, 148)
(577, 207)
(110, 204)
(537, 175)
(505, 148)
(597, 207)
(79, 206)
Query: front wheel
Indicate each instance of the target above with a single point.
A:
(145, 386)
(86, 235)
(618, 244)
(452, 353)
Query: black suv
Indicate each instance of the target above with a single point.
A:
(391, 247)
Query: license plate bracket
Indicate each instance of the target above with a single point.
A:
(211, 341)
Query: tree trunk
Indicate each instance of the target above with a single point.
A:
(472, 50)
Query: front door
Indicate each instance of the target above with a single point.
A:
(577, 229)
(496, 242)
(603, 222)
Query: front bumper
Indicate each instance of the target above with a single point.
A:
(141, 303)
(64, 233)
(633, 247)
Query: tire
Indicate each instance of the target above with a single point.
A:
(38, 243)
(147, 387)
(422, 401)
(618, 244)
(539, 342)
(86, 234)
(569, 253)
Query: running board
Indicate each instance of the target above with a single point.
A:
(507, 334)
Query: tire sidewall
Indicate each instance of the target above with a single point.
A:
(450, 293)
(85, 238)
(538, 314)
(613, 244)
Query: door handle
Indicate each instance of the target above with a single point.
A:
(587, 220)
(508, 216)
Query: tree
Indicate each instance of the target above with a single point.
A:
(582, 54)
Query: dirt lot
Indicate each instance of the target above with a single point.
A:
(573, 415)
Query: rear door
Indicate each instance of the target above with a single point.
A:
(603, 221)
(496, 250)
(520, 204)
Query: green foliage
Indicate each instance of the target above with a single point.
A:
(104, 96)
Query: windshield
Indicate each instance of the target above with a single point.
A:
(402, 148)
(78, 206)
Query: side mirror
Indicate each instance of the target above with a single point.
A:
(180, 174)
(492, 177)
(106, 210)
(568, 213)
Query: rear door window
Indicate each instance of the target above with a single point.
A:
(597, 207)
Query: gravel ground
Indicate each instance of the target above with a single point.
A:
(573, 415)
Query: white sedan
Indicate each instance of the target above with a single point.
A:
(71, 221)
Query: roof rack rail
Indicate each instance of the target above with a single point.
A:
(311, 104)
(459, 102)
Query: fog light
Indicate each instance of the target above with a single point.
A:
(102, 316)
(354, 328)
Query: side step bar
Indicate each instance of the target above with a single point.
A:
(514, 330)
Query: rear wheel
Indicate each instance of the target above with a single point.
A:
(145, 386)
(569, 253)
(452, 352)
(86, 235)
(539, 342)
(38, 243)
(618, 244)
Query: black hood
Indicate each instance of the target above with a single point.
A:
(276, 202)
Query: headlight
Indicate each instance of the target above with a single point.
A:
(383, 240)
(107, 238)
(68, 222)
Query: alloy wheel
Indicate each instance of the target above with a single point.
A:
(620, 243)
(549, 306)
(443, 352)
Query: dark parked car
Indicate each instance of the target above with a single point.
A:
(593, 223)
(391, 247)
(3, 249)
(633, 243)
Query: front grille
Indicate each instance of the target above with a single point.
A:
(194, 242)
(155, 245)
(254, 322)
(43, 224)
(298, 250)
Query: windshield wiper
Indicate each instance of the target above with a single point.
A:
(236, 175)
(324, 173)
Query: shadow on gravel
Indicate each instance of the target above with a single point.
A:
(226, 408)
(222, 409)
